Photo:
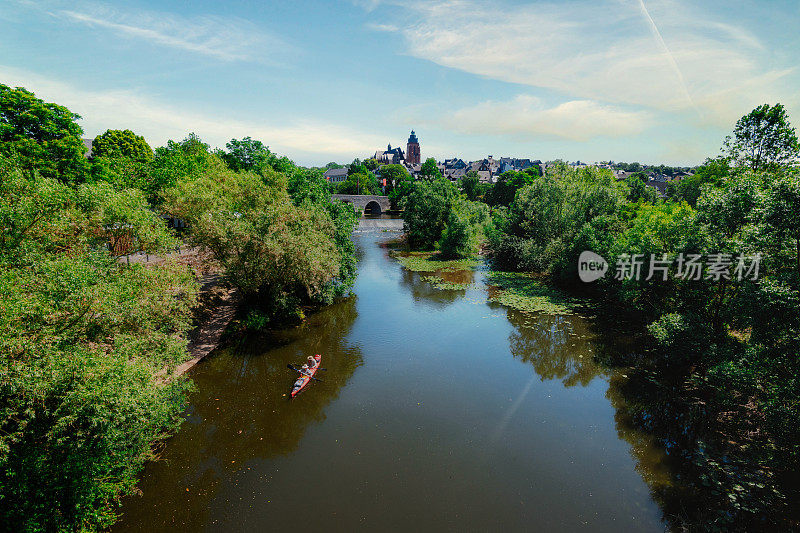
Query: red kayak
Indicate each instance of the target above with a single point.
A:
(305, 379)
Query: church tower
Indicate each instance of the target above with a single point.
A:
(412, 150)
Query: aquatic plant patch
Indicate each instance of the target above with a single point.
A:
(441, 284)
(521, 291)
(431, 262)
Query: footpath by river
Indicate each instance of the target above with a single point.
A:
(438, 410)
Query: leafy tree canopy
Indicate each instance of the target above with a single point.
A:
(430, 170)
(121, 143)
(763, 139)
(44, 137)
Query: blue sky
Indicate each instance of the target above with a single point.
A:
(658, 81)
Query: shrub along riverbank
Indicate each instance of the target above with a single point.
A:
(85, 336)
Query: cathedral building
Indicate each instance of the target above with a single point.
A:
(396, 155)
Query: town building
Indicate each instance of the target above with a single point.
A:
(336, 175)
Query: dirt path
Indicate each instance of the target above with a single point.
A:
(207, 335)
(217, 306)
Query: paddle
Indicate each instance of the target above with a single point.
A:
(298, 370)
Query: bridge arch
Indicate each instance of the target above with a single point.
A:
(372, 208)
(368, 204)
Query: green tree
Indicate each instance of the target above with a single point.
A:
(363, 182)
(471, 186)
(280, 256)
(465, 229)
(83, 339)
(763, 139)
(248, 154)
(121, 143)
(44, 137)
(178, 159)
(640, 191)
(546, 215)
(508, 183)
(427, 212)
(430, 170)
(781, 215)
(711, 173)
(394, 175)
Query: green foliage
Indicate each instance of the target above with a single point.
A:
(44, 137)
(433, 262)
(465, 229)
(427, 212)
(188, 158)
(83, 337)
(689, 188)
(763, 139)
(394, 175)
(547, 214)
(252, 156)
(639, 191)
(121, 143)
(430, 170)
(508, 183)
(360, 181)
(280, 256)
(471, 187)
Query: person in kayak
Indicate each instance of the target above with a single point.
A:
(308, 366)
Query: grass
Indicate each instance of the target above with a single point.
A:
(523, 292)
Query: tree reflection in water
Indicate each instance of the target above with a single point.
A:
(424, 293)
(558, 346)
(240, 415)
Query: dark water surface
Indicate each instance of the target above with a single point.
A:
(438, 411)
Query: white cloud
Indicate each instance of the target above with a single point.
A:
(225, 38)
(315, 141)
(383, 27)
(525, 117)
(661, 57)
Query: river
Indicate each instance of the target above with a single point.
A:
(437, 411)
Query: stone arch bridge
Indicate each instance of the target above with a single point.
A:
(367, 203)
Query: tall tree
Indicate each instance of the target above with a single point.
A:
(121, 143)
(45, 137)
(247, 154)
(763, 139)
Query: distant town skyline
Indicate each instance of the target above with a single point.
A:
(655, 81)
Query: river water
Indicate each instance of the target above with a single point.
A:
(437, 411)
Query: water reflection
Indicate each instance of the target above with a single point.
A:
(242, 415)
(425, 293)
(558, 346)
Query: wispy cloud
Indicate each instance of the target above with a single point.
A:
(526, 117)
(224, 38)
(311, 139)
(383, 27)
(600, 50)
